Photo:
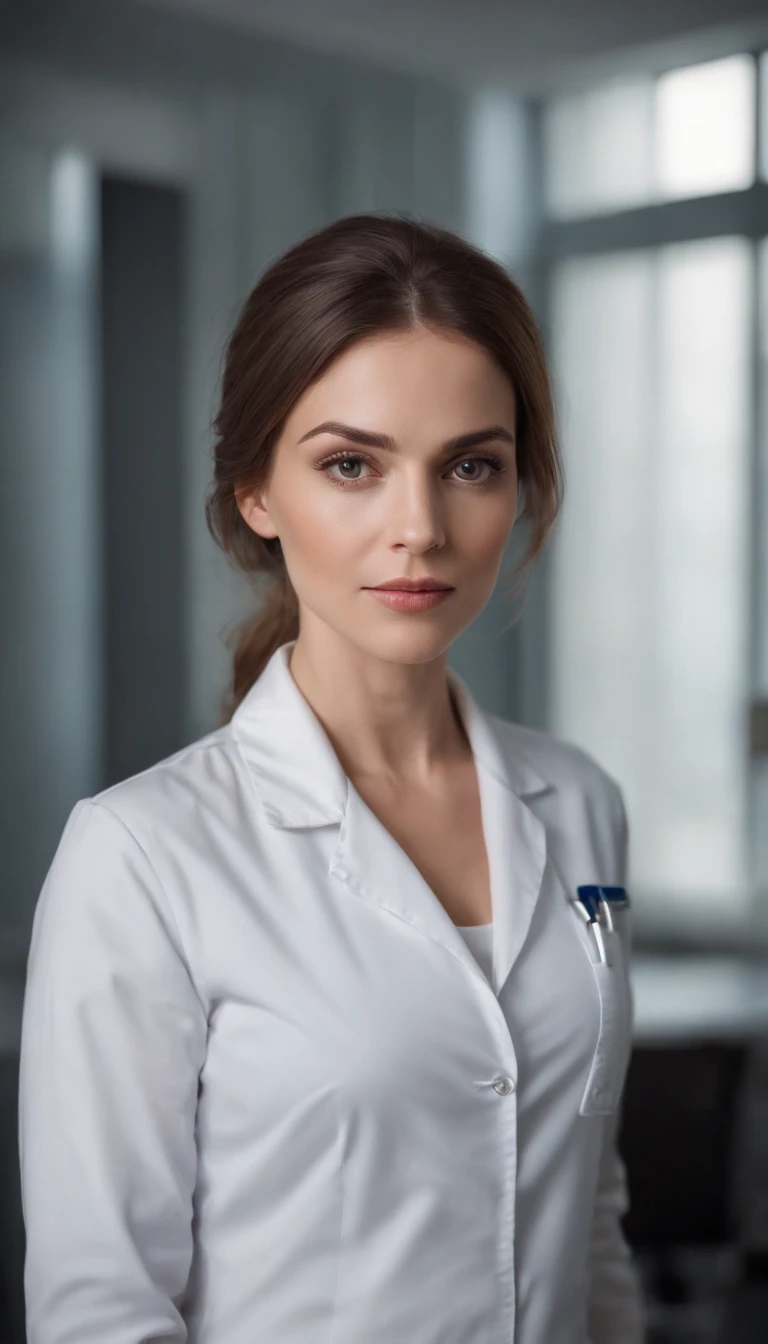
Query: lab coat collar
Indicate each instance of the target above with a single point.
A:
(298, 774)
(301, 783)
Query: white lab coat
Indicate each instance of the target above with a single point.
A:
(267, 1095)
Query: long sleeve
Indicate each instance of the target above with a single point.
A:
(113, 1040)
(616, 1311)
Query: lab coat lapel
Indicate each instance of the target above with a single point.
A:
(515, 837)
(301, 783)
(370, 861)
(296, 772)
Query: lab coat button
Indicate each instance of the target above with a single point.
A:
(504, 1086)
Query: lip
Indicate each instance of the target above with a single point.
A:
(403, 599)
(404, 585)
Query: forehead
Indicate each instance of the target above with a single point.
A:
(388, 378)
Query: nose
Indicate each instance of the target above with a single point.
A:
(416, 520)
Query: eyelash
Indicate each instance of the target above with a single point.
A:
(496, 463)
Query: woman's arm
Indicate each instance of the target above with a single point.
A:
(113, 1040)
(616, 1311)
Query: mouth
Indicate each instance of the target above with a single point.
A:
(410, 599)
(412, 586)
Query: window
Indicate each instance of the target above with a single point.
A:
(759, 771)
(686, 133)
(598, 149)
(659, 568)
(705, 128)
(651, 558)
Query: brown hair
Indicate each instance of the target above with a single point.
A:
(359, 276)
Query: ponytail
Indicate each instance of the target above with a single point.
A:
(255, 639)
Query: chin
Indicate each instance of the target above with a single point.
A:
(417, 644)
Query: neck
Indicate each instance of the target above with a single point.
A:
(384, 719)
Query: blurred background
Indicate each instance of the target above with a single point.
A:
(154, 157)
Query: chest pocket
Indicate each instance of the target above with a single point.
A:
(614, 1041)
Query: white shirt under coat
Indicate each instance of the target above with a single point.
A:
(267, 1092)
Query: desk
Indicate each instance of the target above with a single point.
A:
(700, 1000)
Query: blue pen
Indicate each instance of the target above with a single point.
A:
(602, 899)
(615, 896)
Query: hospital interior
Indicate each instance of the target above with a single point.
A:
(155, 156)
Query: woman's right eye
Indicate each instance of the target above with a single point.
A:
(344, 460)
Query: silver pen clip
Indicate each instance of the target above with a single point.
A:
(605, 912)
(593, 922)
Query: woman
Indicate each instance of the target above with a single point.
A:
(317, 1048)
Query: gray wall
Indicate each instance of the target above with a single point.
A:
(143, 253)
(50, 672)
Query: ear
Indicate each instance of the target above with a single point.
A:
(254, 512)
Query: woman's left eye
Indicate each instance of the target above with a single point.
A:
(495, 465)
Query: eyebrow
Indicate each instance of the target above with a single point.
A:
(367, 439)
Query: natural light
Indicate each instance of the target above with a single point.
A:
(650, 610)
(691, 132)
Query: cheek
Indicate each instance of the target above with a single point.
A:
(484, 533)
(321, 538)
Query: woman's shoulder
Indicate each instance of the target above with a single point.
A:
(120, 848)
(559, 762)
(182, 780)
(175, 796)
(571, 791)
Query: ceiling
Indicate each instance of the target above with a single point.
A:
(527, 44)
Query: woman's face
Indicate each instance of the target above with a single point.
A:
(399, 461)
